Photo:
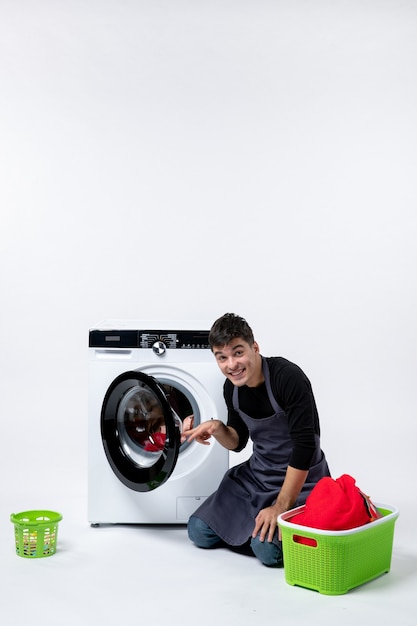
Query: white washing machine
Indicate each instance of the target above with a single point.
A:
(145, 378)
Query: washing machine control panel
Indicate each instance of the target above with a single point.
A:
(173, 340)
(158, 340)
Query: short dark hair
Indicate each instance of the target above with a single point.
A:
(228, 327)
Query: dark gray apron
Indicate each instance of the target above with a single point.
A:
(254, 484)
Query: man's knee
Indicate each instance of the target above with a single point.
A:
(268, 552)
(201, 534)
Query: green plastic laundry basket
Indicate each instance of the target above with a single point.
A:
(333, 562)
(36, 533)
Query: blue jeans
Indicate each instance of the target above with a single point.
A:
(269, 553)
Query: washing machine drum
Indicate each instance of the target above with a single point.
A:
(141, 432)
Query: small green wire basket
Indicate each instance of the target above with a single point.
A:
(36, 533)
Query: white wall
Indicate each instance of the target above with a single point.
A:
(181, 159)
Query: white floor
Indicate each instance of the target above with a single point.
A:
(136, 574)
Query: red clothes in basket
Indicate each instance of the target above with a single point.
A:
(336, 504)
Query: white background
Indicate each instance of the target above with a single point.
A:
(180, 159)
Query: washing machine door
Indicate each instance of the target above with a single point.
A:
(141, 433)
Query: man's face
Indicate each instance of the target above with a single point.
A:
(240, 362)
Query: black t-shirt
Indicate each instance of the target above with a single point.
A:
(292, 390)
